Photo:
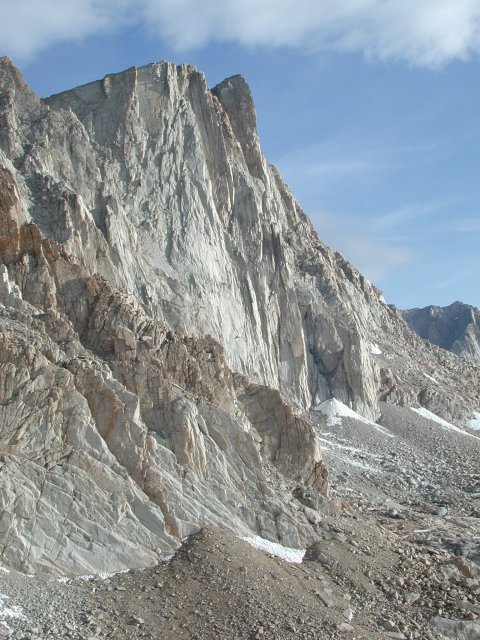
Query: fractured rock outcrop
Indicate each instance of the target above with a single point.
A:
(120, 436)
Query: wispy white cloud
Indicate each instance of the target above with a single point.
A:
(29, 26)
(412, 212)
(462, 225)
(375, 255)
(331, 169)
(457, 277)
(351, 156)
(428, 33)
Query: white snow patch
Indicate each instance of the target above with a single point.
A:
(103, 575)
(423, 530)
(106, 575)
(375, 349)
(9, 612)
(335, 410)
(361, 465)
(169, 557)
(474, 423)
(273, 548)
(4, 570)
(337, 445)
(443, 423)
(430, 377)
(332, 446)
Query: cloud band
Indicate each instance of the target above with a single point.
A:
(427, 33)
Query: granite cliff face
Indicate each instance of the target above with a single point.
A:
(120, 436)
(167, 314)
(456, 328)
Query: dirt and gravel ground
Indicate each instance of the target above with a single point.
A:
(398, 557)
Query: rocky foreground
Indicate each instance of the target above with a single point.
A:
(397, 556)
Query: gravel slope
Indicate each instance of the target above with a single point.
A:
(397, 557)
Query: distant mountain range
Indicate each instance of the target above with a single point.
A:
(455, 328)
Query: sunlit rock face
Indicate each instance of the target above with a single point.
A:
(167, 312)
(158, 184)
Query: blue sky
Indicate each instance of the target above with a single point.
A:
(370, 109)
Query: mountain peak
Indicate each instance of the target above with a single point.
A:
(236, 98)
